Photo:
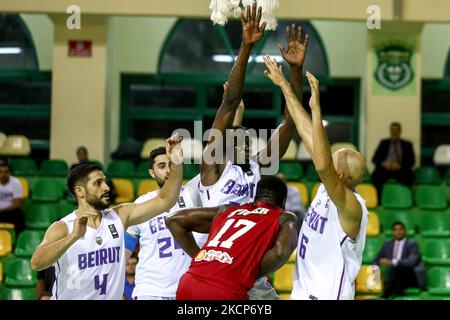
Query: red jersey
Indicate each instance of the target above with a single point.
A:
(238, 239)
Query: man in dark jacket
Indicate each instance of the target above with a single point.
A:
(402, 256)
(393, 159)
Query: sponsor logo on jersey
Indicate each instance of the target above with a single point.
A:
(113, 230)
(99, 240)
(210, 255)
(245, 212)
(181, 202)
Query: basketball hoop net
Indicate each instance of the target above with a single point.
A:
(221, 10)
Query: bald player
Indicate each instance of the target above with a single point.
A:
(332, 237)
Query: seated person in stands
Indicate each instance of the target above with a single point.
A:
(394, 159)
(402, 257)
(11, 195)
(293, 200)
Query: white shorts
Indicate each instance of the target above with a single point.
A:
(262, 290)
(152, 298)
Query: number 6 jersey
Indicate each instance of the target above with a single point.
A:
(327, 261)
(93, 268)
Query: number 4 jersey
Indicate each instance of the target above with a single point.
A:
(93, 268)
(231, 258)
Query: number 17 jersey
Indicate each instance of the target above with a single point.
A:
(238, 239)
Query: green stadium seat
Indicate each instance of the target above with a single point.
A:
(142, 170)
(190, 170)
(23, 167)
(427, 175)
(431, 197)
(27, 242)
(311, 173)
(439, 281)
(47, 190)
(18, 294)
(415, 297)
(54, 168)
(447, 177)
(372, 247)
(403, 216)
(437, 252)
(41, 216)
(412, 291)
(121, 169)
(396, 196)
(20, 274)
(435, 224)
(292, 170)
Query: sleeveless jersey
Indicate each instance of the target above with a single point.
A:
(161, 260)
(328, 261)
(233, 187)
(238, 239)
(93, 268)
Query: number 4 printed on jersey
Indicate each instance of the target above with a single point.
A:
(101, 286)
(229, 242)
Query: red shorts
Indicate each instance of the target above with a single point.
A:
(191, 287)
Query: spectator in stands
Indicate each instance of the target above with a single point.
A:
(393, 159)
(293, 200)
(82, 156)
(11, 195)
(44, 285)
(402, 257)
(129, 277)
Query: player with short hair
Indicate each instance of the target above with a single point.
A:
(87, 246)
(232, 180)
(161, 260)
(245, 243)
(333, 232)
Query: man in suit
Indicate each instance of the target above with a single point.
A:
(402, 257)
(394, 159)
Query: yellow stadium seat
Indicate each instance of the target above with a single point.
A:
(146, 186)
(5, 243)
(283, 278)
(1, 272)
(314, 190)
(366, 297)
(25, 188)
(369, 193)
(369, 280)
(2, 138)
(373, 225)
(16, 145)
(302, 189)
(291, 152)
(339, 145)
(151, 144)
(125, 191)
(285, 296)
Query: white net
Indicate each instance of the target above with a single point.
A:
(221, 10)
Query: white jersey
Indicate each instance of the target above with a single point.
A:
(93, 268)
(234, 186)
(328, 261)
(162, 262)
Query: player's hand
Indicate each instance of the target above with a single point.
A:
(251, 30)
(174, 149)
(79, 226)
(314, 101)
(274, 71)
(296, 51)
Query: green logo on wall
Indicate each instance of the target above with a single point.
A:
(394, 69)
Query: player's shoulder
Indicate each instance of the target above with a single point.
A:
(146, 197)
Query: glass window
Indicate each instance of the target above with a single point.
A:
(29, 126)
(25, 92)
(162, 96)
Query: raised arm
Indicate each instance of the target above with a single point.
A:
(237, 121)
(185, 221)
(251, 34)
(298, 113)
(349, 208)
(295, 57)
(132, 213)
(285, 244)
(57, 240)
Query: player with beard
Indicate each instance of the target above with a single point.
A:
(232, 179)
(87, 247)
